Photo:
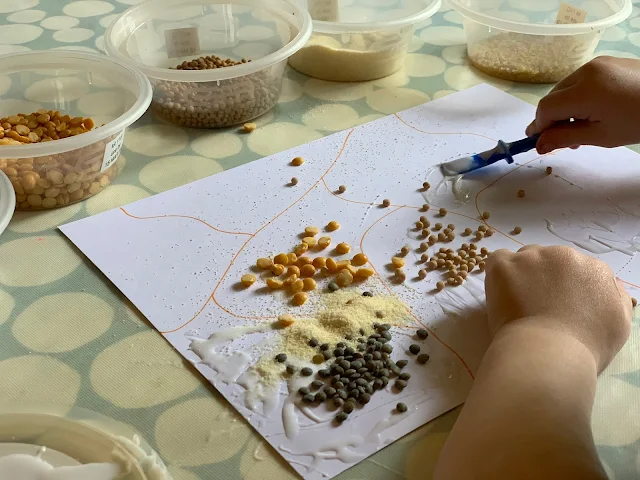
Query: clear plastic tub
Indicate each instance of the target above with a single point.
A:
(61, 172)
(359, 40)
(158, 35)
(534, 41)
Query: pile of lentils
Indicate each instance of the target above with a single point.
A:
(355, 374)
(216, 104)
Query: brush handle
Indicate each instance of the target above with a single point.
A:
(523, 145)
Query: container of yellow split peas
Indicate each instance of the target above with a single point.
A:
(63, 117)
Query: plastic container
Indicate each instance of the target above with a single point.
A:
(61, 172)
(525, 41)
(77, 437)
(7, 201)
(360, 40)
(158, 35)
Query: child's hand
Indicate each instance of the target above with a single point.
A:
(560, 289)
(603, 97)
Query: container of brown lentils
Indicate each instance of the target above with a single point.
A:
(62, 123)
(212, 63)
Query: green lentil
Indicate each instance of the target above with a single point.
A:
(321, 397)
(402, 363)
(401, 407)
(308, 398)
(400, 384)
(313, 342)
(316, 384)
(303, 390)
(405, 376)
(341, 417)
(348, 407)
(415, 349)
(333, 287)
(422, 359)
(330, 391)
(306, 372)
(291, 369)
(338, 402)
(281, 357)
(422, 334)
(364, 398)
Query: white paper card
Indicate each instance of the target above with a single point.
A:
(570, 14)
(182, 42)
(178, 256)
(324, 10)
(112, 151)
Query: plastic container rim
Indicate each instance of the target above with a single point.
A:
(341, 27)
(51, 59)
(543, 29)
(7, 201)
(227, 73)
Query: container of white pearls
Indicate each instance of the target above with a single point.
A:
(62, 122)
(360, 40)
(532, 41)
(212, 63)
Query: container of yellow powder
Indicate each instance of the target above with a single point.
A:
(359, 40)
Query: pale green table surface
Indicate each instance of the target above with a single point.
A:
(68, 337)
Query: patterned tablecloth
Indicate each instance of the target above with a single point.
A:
(68, 337)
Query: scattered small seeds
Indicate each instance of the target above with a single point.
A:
(264, 263)
(426, 185)
(486, 215)
(482, 228)
(342, 188)
(367, 294)
(419, 226)
(422, 274)
(249, 127)
(479, 235)
(333, 287)
(341, 417)
(517, 230)
(397, 262)
(386, 202)
(423, 358)
(437, 227)
(285, 320)
(291, 369)
(274, 283)
(297, 161)
(520, 193)
(549, 170)
(422, 333)
(432, 239)
(415, 349)
(489, 232)
(306, 372)
(359, 259)
(401, 407)
(299, 298)
(425, 207)
(467, 231)
(308, 284)
(294, 181)
(442, 212)
(248, 280)
(405, 250)
(281, 357)
(332, 226)
(343, 248)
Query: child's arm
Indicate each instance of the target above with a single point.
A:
(603, 97)
(559, 318)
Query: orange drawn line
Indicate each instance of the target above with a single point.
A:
(183, 216)
(212, 297)
(442, 133)
(629, 283)
(448, 347)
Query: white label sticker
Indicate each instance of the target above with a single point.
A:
(182, 42)
(570, 14)
(112, 151)
(323, 10)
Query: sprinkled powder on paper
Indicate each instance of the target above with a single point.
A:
(341, 313)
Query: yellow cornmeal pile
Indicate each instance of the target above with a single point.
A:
(343, 315)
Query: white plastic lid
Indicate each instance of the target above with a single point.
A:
(513, 15)
(7, 201)
(371, 16)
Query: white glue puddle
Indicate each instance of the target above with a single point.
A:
(446, 191)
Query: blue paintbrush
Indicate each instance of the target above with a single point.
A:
(503, 151)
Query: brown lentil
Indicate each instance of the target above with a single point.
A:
(419, 225)
(517, 230)
(442, 212)
(404, 250)
(549, 170)
(437, 227)
(215, 104)
(520, 193)
(386, 202)
(294, 181)
(485, 215)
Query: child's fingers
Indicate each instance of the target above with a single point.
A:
(574, 134)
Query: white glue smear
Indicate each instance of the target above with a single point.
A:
(291, 407)
(595, 243)
(344, 449)
(446, 191)
(27, 467)
(257, 393)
